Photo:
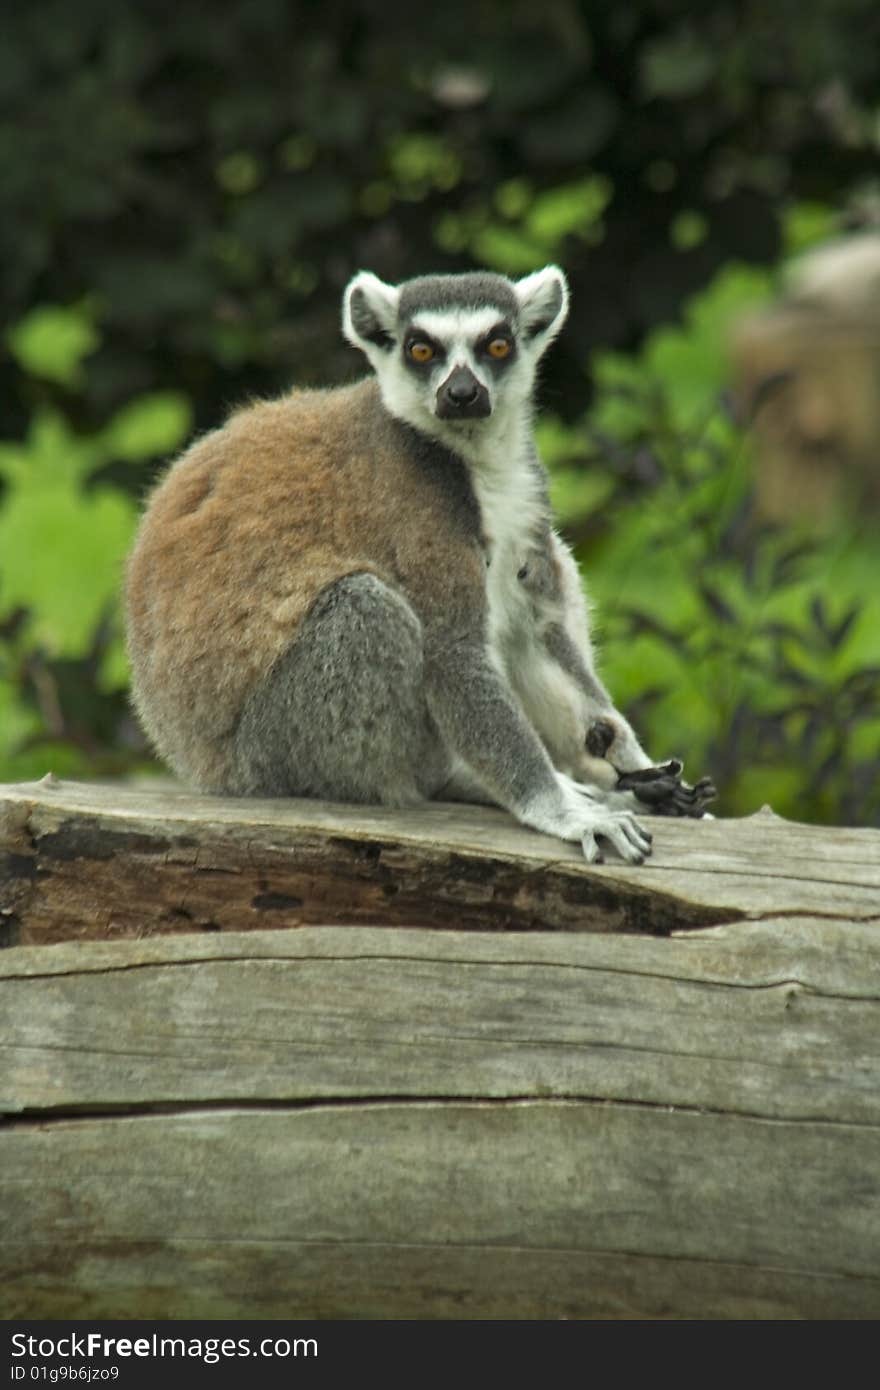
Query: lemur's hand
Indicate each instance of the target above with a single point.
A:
(662, 789)
(659, 789)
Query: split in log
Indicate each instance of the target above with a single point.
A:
(81, 862)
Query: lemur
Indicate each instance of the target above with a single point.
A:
(357, 594)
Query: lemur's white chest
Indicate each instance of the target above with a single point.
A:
(515, 522)
(508, 492)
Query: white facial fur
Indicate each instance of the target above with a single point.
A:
(542, 299)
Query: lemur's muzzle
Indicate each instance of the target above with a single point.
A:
(462, 397)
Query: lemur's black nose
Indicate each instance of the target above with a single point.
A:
(462, 388)
(462, 396)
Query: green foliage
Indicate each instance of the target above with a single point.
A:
(211, 185)
(64, 534)
(752, 652)
(537, 226)
(147, 427)
(62, 545)
(677, 65)
(421, 163)
(685, 363)
(51, 342)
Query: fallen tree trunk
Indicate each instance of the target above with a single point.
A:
(659, 1100)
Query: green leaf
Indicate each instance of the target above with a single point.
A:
(514, 197)
(17, 720)
(508, 250)
(557, 442)
(149, 426)
(114, 673)
(806, 225)
(572, 208)
(676, 66)
(50, 452)
(52, 341)
(688, 229)
(576, 492)
(624, 390)
(420, 162)
(239, 173)
(61, 557)
(691, 362)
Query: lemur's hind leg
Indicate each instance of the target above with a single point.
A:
(464, 785)
(342, 715)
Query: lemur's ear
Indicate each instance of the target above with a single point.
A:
(543, 305)
(369, 311)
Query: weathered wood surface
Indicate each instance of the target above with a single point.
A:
(749, 1019)
(386, 1121)
(390, 1122)
(84, 862)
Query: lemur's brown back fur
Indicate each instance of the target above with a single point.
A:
(252, 523)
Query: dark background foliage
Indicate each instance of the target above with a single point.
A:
(215, 173)
(196, 182)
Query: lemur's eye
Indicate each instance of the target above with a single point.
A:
(499, 348)
(420, 351)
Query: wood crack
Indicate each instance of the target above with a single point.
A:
(611, 1253)
(813, 990)
(164, 1110)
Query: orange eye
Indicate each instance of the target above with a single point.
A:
(420, 352)
(499, 348)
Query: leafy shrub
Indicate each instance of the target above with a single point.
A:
(213, 184)
(65, 528)
(749, 650)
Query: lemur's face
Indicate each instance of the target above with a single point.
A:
(460, 359)
(456, 349)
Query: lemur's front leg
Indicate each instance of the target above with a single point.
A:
(609, 753)
(613, 758)
(485, 729)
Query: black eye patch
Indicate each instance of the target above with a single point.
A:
(421, 351)
(498, 346)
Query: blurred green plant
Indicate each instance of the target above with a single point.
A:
(214, 185)
(750, 651)
(65, 528)
(533, 227)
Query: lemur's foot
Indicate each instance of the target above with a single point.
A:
(577, 812)
(662, 790)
